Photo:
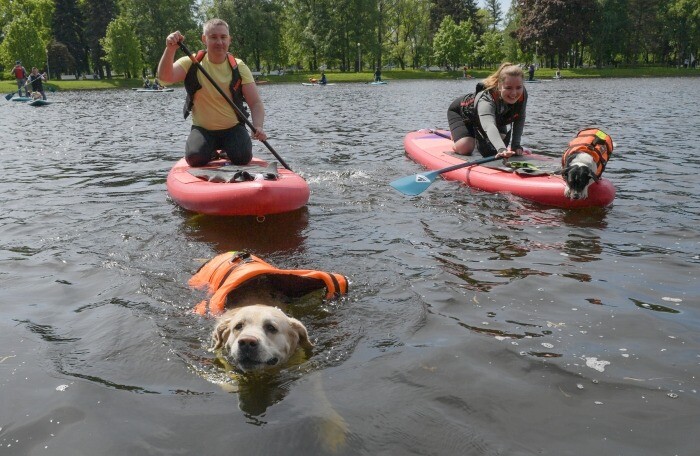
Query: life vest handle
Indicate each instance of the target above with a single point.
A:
(230, 102)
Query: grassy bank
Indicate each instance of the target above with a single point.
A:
(388, 75)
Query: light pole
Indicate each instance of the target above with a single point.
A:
(537, 44)
(359, 58)
(48, 70)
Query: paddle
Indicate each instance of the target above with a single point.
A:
(435, 132)
(9, 95)
(417, 184)
(230, 102)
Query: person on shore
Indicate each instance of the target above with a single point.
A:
(36, 80)
(378, 75)
(20, 74)
(215, 124)
(480, 119)
(531, 72)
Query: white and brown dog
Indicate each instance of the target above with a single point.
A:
(584, 161)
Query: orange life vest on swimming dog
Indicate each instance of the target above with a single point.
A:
(228, 271)
(594, 142)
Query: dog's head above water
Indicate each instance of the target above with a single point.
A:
(578, 177)
(256, 337)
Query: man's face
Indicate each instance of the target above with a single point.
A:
(217, 39)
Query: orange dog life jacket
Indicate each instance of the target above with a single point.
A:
(228, 271)
(595, 143)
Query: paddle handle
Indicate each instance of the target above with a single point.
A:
(240, 113)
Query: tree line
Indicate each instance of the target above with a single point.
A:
(126, 37)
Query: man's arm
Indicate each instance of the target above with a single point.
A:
(168, 71)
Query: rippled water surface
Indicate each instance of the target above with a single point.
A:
(476, 323)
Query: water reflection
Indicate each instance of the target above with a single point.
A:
(273, 234)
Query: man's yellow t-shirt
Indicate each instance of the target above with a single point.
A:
(211, 111)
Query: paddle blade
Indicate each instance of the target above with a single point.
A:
(414, 185)
(9, 95)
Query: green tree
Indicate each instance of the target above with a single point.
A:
(611, 31)
(550, 28)
(153, 20)
(23, 42)
(458, 10)
(645, 23)
(491, 47)
(494, 9)
(122, 47)
(682, 24)
(409, 29)
(98, 15)
(254, 27)
(67, 26)
(60, 59)
(454, 44)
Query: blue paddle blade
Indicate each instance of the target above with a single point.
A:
(416, 184)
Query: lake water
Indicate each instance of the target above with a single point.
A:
(476, 324)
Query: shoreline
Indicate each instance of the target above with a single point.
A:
(8, 86)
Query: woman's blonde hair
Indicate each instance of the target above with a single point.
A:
(506, 69)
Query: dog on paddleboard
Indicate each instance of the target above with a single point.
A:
(584, 161)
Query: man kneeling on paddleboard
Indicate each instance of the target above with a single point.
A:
(215, 125)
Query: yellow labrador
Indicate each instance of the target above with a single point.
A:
(258, 336)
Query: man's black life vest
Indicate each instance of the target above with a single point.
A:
(510, 114)
(192, 85)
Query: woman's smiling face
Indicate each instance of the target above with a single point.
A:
(511, 88)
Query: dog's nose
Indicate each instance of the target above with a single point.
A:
(247, 343)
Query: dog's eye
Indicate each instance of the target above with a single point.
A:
(238, 326)
(269, 327)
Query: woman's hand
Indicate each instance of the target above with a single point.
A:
(505, 153)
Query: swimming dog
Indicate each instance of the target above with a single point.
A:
(256, 334)
(253, 337)
(584, 161)
(248, 297)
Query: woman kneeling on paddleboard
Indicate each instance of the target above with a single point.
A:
(483, 116)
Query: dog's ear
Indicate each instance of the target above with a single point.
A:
(593, 175)
(300, 330)
(563, 171)
(221, 334)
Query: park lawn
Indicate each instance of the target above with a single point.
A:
(7, 86)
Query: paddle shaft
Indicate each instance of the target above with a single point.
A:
(465, 164)
(228, 99)
(435, 132)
